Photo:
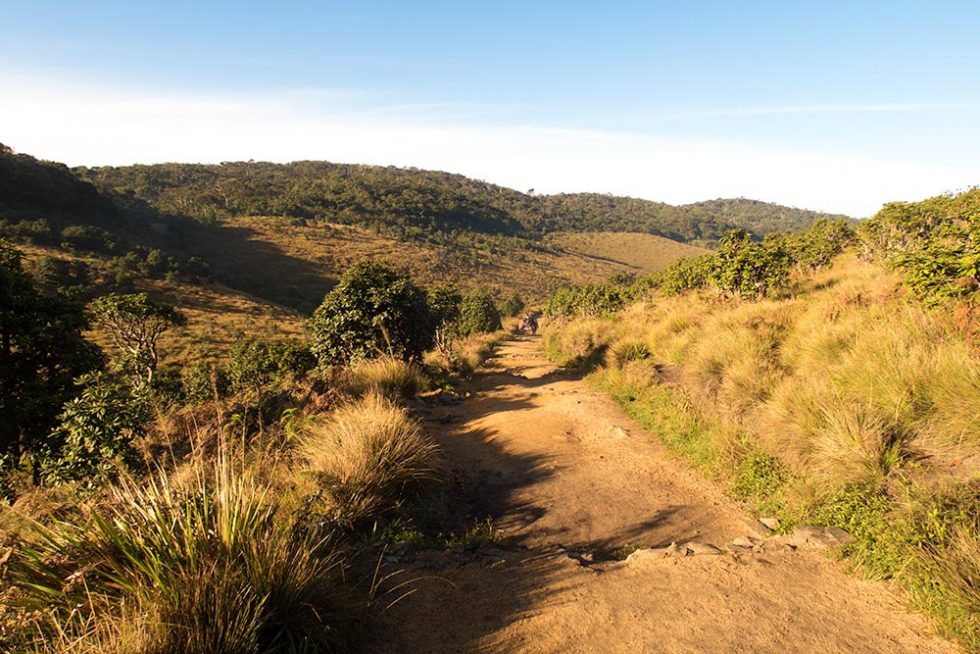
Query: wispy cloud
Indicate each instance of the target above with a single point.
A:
(83, 124)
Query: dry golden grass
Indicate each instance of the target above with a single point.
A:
(304, 258)
(387, 376)
(644, 253)
(845, 378)
(364, 455)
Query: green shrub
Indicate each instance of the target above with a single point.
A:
(687, 274)
(936, 243)
(373, 310)
(95, 434)
(256, 362)
(88, 239)
(203, 381)
(512, 305)
(478, 314)
(748, 269)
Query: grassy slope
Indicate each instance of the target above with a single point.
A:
(645, 253)
(843, 404)
(295, 264)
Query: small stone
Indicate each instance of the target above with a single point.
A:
(770, 523)
(818, 537)
(744, 541)
(701, 549)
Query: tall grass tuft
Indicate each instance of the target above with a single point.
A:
(387, 376)
(208, 566)
(364, 455)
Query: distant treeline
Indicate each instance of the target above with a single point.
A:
(412, 203)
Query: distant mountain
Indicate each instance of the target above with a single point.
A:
(411, 203)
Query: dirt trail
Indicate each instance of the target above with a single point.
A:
(564, 471)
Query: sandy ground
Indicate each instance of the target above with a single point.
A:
(561, 468)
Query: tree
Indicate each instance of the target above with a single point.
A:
(512, 305)
(255, 362)
(444, 301)
(135, 324)
(478, 314)
(373, 310)
(42, 351)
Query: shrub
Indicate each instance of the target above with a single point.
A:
(205, 381)
(373, 310)
(210, 566)
(750, 270)
(386, 376)
(936, 243)
(478, 314)
(687, 274)
(364, 455)
(512, 305)
(88, 239)
(256, 362)
(96, 432)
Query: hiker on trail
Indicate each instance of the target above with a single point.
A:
(529, 324)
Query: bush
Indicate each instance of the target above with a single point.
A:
(512, 305)
(210, 566)
(478, 314)
(373, 310)
(255, 362)
(205, 381)
(936, 243)
(88, 239)
(364, 455)
(750, 270)
(96, 432)
(687, 274)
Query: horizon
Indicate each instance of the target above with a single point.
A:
(836, 109)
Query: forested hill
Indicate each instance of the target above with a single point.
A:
(410, 203)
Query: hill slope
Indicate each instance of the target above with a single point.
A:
(645, 253)
(412, 203)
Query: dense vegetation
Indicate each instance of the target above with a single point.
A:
(833, 397)
(413, 203)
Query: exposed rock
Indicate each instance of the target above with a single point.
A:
(817, 537)
(702, 549)
(770, 523)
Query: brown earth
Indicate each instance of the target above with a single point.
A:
(570, 481)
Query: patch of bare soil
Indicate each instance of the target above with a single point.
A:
(573, 484)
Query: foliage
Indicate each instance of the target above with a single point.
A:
(936, 243)
(749, 269)
(135, 323)
(687, 274)
(87, 238)
(444, 302)
(256, 362)
(478, 314)
(595, 300)
(512, 305)
(373, 310)
(415, 204)
(96, 433)
(205, 381)
(42, 351)
(211, 564)
(817, 246)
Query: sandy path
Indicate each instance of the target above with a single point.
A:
(561, 467)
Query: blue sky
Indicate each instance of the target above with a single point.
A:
(830, 105)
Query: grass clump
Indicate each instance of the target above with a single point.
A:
(364, 455)
(208, 565)
(386, 376)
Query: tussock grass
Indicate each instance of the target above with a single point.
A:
(842, 404)
(387, 376)
(209, 565)
(364, 455)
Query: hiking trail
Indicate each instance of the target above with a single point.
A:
(570, 481)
